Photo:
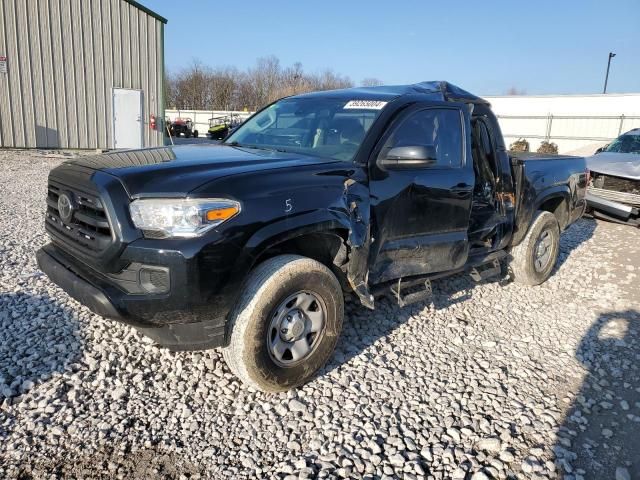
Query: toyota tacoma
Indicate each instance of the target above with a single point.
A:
(250, 245)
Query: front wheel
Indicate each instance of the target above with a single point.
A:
(286, 323)
(533, 259)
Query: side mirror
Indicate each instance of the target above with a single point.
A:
(601, 149)
(410, 157)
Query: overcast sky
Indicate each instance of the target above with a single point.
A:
(485, 47)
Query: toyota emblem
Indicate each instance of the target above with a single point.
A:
(65, 208)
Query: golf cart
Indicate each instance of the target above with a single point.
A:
(183, 125)
(221, 126)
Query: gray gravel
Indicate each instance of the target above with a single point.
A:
(489, 381)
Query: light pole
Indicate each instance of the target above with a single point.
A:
(606, 78)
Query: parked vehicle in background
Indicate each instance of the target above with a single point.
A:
(250, 245)
(218, 127)
(221, 126)
(184, 126)
(614, 189)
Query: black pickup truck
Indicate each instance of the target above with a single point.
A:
(250, 245)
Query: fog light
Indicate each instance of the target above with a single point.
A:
(155, 280)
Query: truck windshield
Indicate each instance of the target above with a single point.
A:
(627, 143)
(323, 127)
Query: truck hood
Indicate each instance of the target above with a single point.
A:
(625, 165)
(176, 171)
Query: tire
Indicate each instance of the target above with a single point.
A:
(252, 327)
(527, 265)
(195, 134)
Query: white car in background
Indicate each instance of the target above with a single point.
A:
(614, 189)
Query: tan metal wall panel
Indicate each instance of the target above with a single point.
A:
(63, 104)
(126, 45)
(89, 61)
(99, 73)
(6, 129)
(14, 92)
(144, 75)
(135, 46)
(32, 42)
(79, 71)
(64, 59)
(68, 53)
(109, 69)
(44, 28)
(26, 74)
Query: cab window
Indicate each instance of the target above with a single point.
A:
(437, 127)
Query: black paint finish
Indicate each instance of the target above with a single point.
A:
(395, 224)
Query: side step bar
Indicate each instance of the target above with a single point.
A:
(483, 272)
(479, 267)
(418, 296)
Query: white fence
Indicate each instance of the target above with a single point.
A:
(576, 123)
(579, 134)
(201, 117)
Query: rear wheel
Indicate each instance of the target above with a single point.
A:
(286, 323)
(533, 259)
(195, 134)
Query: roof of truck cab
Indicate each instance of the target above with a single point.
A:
(434, 90)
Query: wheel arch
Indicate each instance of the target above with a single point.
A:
(556, 202)
(326, 242)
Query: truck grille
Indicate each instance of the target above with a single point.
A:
(616, 189)
(88, 229)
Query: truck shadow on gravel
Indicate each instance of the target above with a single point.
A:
(362, 327)
(573, 237)
(601, 432)
(40, 338)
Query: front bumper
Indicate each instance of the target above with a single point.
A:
(614, 210)
(172, 320)
(77, 287)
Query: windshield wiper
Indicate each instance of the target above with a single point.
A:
(255, 147)
(238, 144)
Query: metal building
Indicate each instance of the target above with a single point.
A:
(80, 74)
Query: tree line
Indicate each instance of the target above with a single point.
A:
(200, 87)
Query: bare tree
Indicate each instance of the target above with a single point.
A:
(328, 80)
(371, 82)
(199, 87)
(223, 83)
(189, 87)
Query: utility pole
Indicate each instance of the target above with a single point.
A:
(606, 78)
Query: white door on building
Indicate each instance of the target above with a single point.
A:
(127, 118)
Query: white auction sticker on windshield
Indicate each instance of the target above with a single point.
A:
(365, 104)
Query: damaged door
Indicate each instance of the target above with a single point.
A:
(420, 209)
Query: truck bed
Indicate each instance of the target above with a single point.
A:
(561, 178)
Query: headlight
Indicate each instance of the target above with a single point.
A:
(173, 217)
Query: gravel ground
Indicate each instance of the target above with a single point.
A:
(488, 381)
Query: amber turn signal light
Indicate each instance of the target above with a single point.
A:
(222, 213)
